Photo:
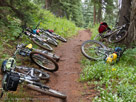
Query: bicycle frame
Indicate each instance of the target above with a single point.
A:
(29, 73)
(105, 52)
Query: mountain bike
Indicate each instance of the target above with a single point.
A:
(39, 58)
(37, 86)
(38, 40)
(53, 35)
(115, 35)
(26, 49)
(12, 78)
(50, 33)
(35, 74)
(118, 34)
(95, 50)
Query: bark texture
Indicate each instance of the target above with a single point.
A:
(99, 17)
(131, 39)
(94, 14)
(48, 4)
(125, 11)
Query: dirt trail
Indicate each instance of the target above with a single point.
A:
(66, 79)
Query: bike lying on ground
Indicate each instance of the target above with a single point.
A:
(95, 50)
(25, 50)
(118, 33)
(31, 76)
(49, 33)
(38, 40)
(115, 35)
(41, 58)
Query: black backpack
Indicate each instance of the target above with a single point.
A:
(10, 81)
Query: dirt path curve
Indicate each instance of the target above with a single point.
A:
(66, 78)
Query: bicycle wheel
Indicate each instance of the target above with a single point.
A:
(117, 37)
(93, 50)
(44, 61)
(33, 72)
(42, 44)
(47, 91)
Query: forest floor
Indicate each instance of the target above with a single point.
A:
(66, 79)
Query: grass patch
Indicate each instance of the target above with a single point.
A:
(94, 31)
(116, 83)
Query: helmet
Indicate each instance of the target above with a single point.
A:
(8, 64)
(29, 46)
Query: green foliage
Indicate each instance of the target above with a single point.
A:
(94, 30)
(106, 10)
(107, 96)
(72, 10)
(32, 14)
(129, 57)
(114, 82)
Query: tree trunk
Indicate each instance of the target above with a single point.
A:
(131, 39)
(94, 13)
(99, 11)
(48, 4)
(125, 11)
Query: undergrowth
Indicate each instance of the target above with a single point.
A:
(115, 83)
